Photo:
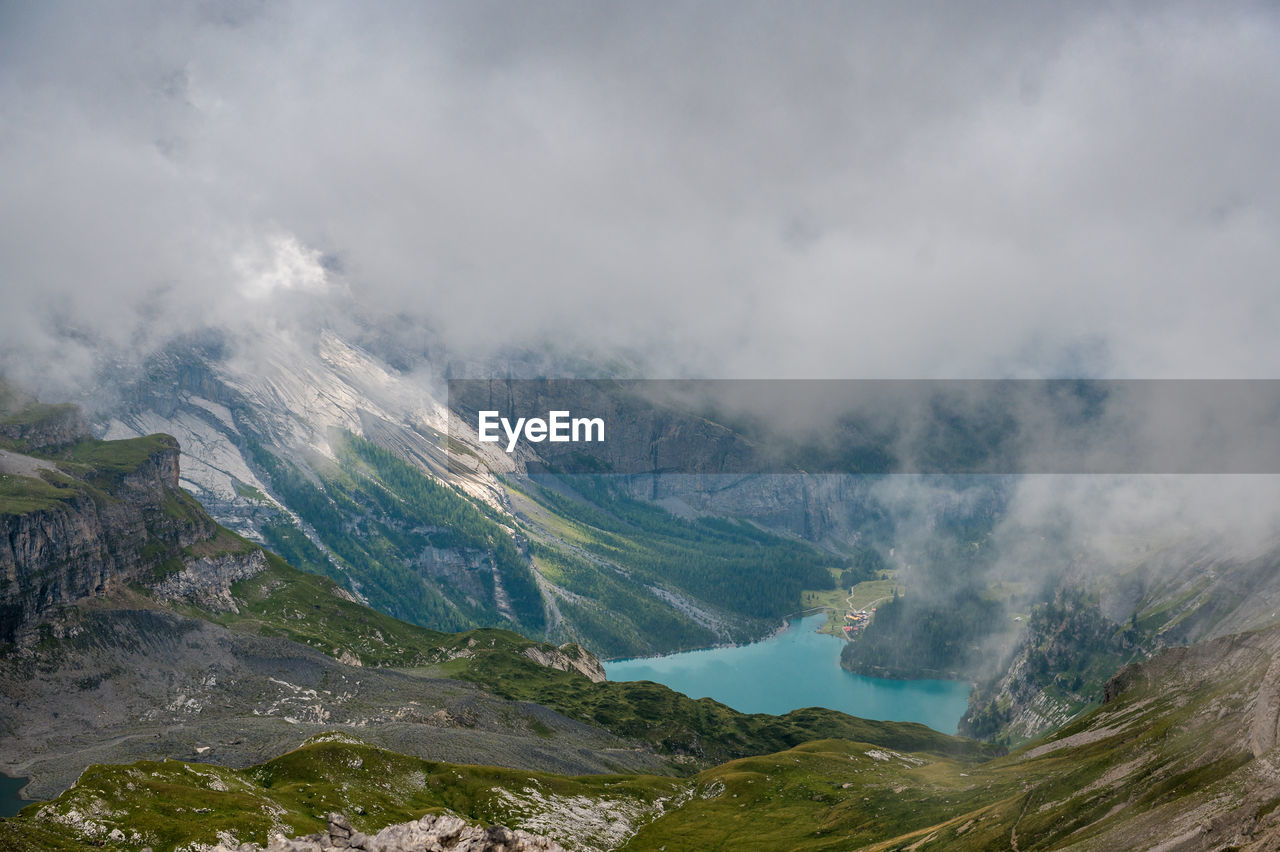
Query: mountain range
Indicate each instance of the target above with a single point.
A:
(438, 650)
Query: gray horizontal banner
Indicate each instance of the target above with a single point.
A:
(866, 427)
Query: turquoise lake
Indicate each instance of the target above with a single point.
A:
(10, 802)
(797, 668)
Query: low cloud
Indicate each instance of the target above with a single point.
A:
(729, 190)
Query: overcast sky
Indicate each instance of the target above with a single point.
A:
(763, 190)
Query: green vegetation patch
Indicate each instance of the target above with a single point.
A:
(223, 542)
(171, 804)
(120, 457)
(822, 795)
(315, 611)
(250, 493)
(20, 495)
(731, 563)
(379, 519)
(36, 412)
(703, 730)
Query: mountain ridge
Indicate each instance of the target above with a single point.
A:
(226, 651)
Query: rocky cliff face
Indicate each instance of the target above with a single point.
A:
(102, 530)
(207, 582)
(1099, 620)
(568, 657)
(1058, 668)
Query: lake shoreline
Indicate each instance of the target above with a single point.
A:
(12, 799)
(772, 634)
(797, 668)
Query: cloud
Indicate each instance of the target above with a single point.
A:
(280, 263)
(729, 189)
(722, 189)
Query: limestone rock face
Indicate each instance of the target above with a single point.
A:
(444, 833)
(88, 544)
(207, 582)
(568, 657)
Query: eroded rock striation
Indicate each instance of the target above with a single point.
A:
(568, 657)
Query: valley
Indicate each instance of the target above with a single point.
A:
(338, 460)
(619, 427)
(180, 639)
(206, 647)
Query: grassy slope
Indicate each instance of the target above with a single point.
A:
(814, 796)
(87, 469)
(21, 495)
(170, 803)
(831, 794)
(310, 609)
(314, 611)
(28, 414)
(112, 458)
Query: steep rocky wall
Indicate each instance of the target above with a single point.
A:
(89, 543)
(207, 582)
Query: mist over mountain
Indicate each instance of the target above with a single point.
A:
(259, 246)
(744, 191)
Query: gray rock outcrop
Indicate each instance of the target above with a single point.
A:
(568, 657)
(207, 582)
(432, 833)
